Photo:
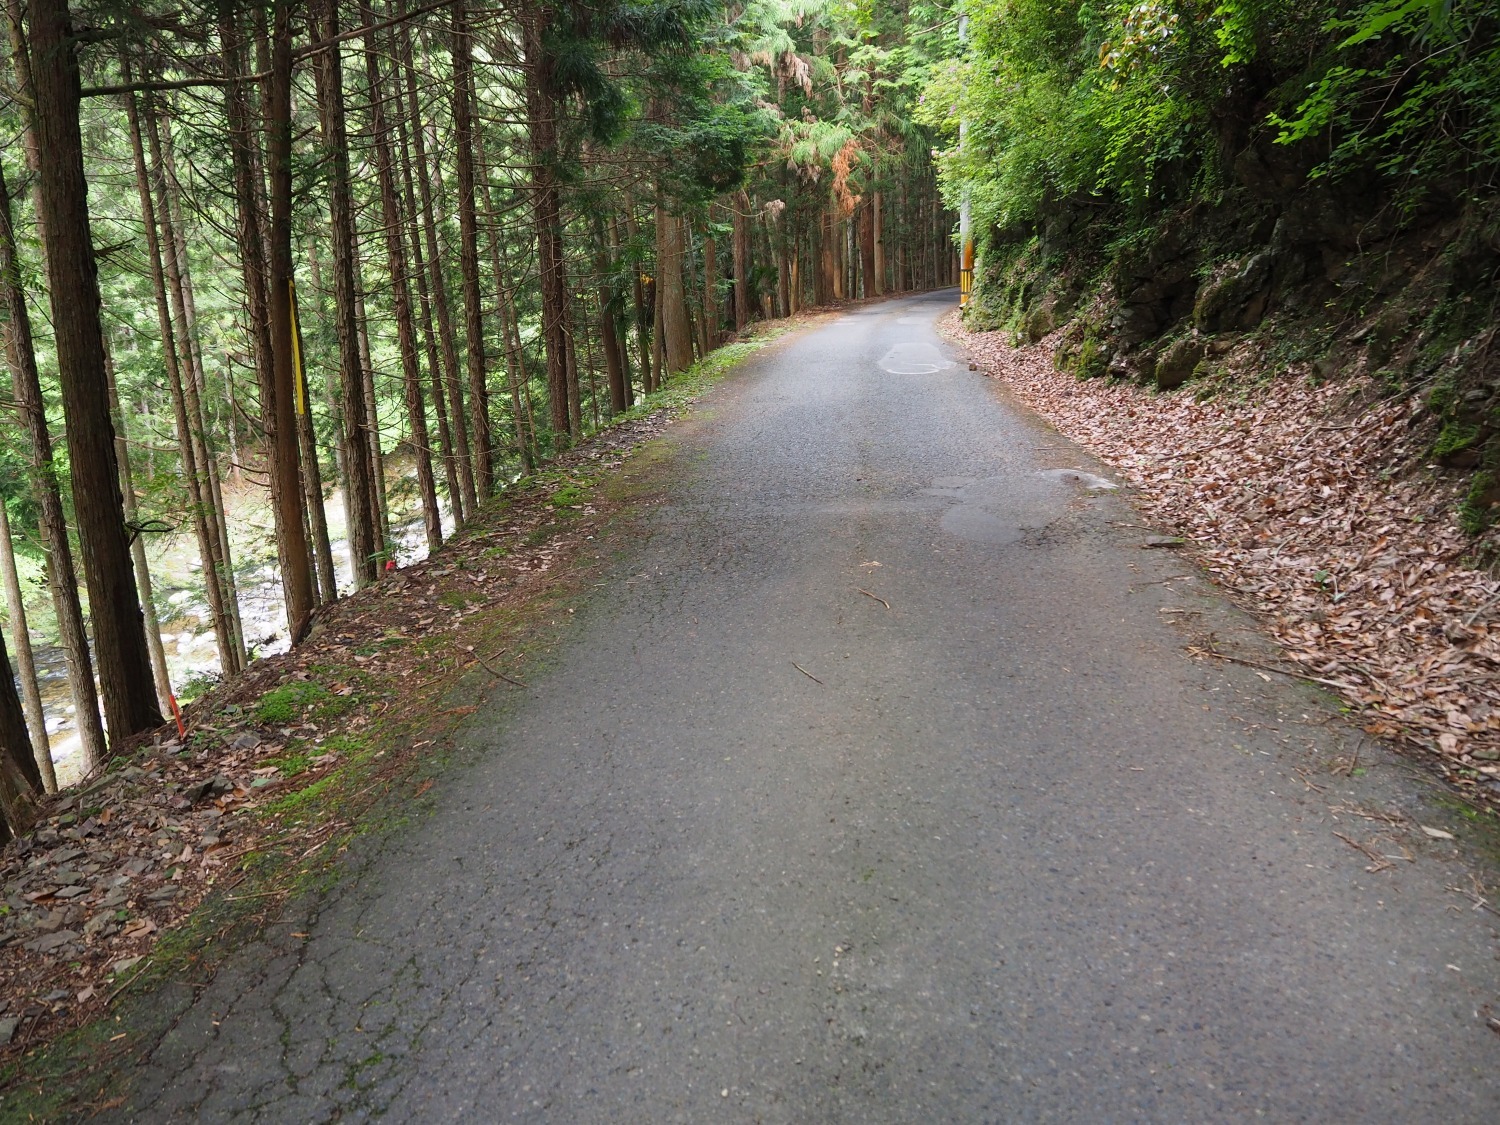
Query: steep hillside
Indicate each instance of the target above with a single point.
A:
(1192, 191)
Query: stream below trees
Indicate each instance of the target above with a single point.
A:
(187, 636)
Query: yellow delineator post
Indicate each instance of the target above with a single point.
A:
(297, 372)
(966, 274)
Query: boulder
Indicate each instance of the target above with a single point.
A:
(1175, 365)
(1237, 298)
(1041, 320)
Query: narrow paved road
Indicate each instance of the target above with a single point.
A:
(999, 852)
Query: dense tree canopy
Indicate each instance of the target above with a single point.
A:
(1148, 102)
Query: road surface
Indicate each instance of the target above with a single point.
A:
(875, 786)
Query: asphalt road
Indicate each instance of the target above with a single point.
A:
(998, 850)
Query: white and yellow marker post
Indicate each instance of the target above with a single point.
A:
(965, 214)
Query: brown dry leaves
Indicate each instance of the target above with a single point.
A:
(1311, 505)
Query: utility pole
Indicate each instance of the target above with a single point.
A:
(965, 210)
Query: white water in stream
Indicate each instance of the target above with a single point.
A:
(192, 652)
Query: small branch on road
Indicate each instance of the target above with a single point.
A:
(806, 673)
(1378, 862)
(1161, 581)
(877, 597)
(1353, 762)
(1479, 903)
(483, 663)
(1271, 668)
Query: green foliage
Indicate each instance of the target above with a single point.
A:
(1141, 104)
(1413, 86)
(197, 684)
(1067, 100)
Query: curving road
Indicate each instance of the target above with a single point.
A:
(876, 787)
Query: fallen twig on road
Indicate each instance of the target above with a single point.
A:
(1479, 903)
(877, 597)
(806, 673)
(1195, 651)
(1161, 581)
(1378, 862)
(496, 672)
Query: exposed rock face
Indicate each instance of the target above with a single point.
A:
(1156, 284)
(1044, 318)
(1237, 297)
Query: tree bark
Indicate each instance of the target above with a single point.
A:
(764, 248)
(785, 247)
(314, 510)
(280, 411)
(396, 264)
(671, 297)
(31, 698)
(248, 191)
(547, 215)
(143, 585)
(644, 305)
(457, 423)
(575, 398)
(608, 336)
(358, 471)
(19, 780)
(837, 238)
(119, 631)
(870, 279)
(189, 450)
(185, 313)
(515, 359)
(877, 227)
(622, 333)
(62, 578)
(380, 509)
(743, 296)
(481, 439)
(709, 332)
(429, 334)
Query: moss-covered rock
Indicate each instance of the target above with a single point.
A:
(1237, 296)
(1176, 364)
(1456, 444)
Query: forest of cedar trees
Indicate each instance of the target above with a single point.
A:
(290, 290)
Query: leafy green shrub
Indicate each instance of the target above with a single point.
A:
(1414, 87)
(198, 684)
